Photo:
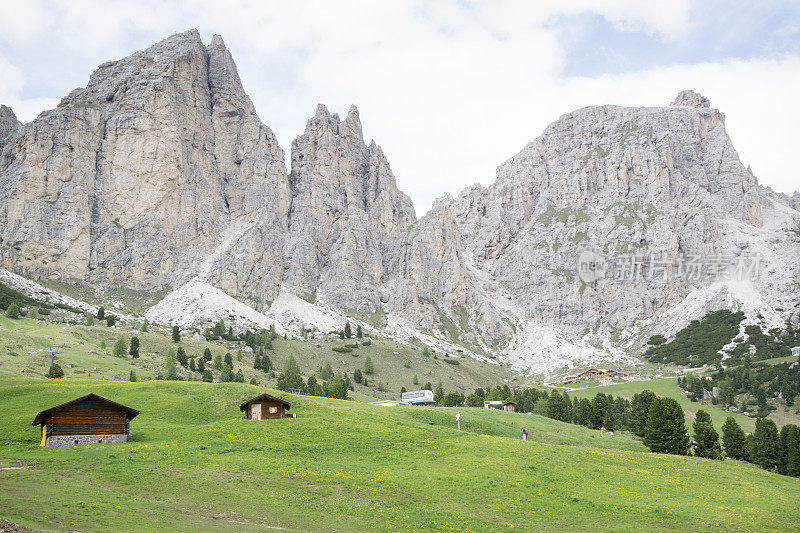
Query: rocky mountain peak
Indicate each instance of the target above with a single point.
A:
(9, 125)
(352, 123)
(689, 98)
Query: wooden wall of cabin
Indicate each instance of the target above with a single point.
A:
(88, 418)
(266, 406)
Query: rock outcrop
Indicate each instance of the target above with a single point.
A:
(346, 212)
(134, 179)
(9, 125)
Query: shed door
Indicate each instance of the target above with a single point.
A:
(255, 411)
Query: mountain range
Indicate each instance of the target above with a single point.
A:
(615, 224)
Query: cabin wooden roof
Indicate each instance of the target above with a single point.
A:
(265, 396)
(91, 396)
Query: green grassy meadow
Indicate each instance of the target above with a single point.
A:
(193, 463)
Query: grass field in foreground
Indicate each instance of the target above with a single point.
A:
(346, 466)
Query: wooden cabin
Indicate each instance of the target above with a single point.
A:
(594, 373)
(510, 406)
(265, 407)
(89, 419)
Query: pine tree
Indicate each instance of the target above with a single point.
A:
(608, 419)
(359, 332)
(180, 356)
(347, 331)
(134, 350)
(12, 311)
(325, 372)
(453, 399)
(438, 394)
(416, 380)
(207, 354)
(600, 404)
(788, 394)
(170, 367)
(132, 376)
(101, 313)
(792, 449)
(706, 437)
(666, 427)
(55, 371)
(120, 347)
(144, 326)
(176, 334)
(240, 376)
(369, 368)
(208, 377)
(229, 361)
(201, 365)
(733, 439)
(558, 408)
(640, 407)
(290, 378)
(357, 376)
(266, 364)
(192, 365)
(583, 412)
(766, 452)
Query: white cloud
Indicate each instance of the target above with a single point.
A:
(449, 89)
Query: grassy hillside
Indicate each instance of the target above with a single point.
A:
(87, 349)
(669, 387)
(194, 464)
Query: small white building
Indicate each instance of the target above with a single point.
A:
(418, 397)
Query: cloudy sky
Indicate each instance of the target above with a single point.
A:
(449, 89)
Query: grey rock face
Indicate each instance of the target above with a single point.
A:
(8, 126)
(346, 212)
(134, 179)
(690, 98)
(629, 184)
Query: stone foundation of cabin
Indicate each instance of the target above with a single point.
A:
(57, 441)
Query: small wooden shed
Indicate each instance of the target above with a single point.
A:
(265, 406)
(510, 406)
(86, 420)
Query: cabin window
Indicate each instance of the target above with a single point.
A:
(99, 440)
(273, 410)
